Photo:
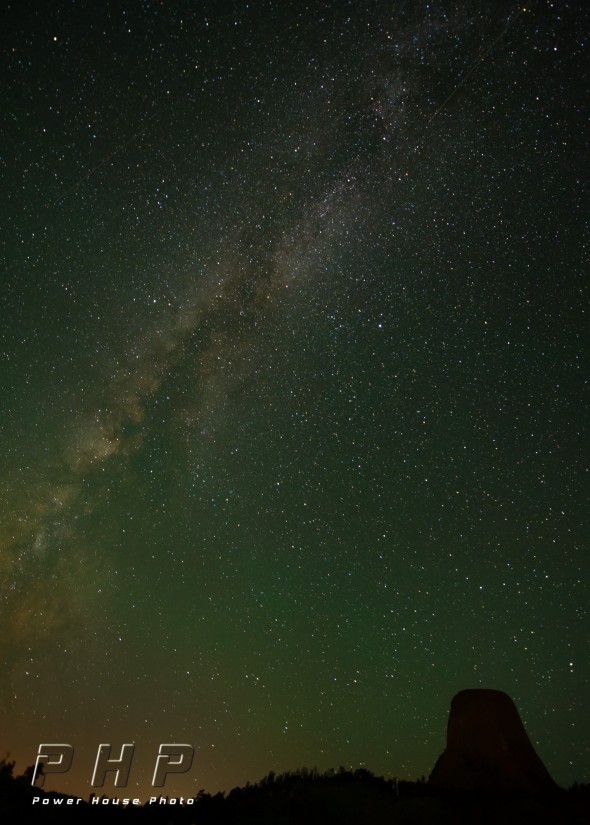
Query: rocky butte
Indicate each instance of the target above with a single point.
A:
(488, 749)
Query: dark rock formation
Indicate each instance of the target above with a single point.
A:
(488, 749)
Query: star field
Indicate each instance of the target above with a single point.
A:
(294, 385)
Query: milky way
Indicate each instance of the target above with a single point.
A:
(293, 391)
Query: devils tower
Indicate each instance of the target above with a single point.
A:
(488, 749)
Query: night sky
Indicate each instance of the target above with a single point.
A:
(294, 381)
